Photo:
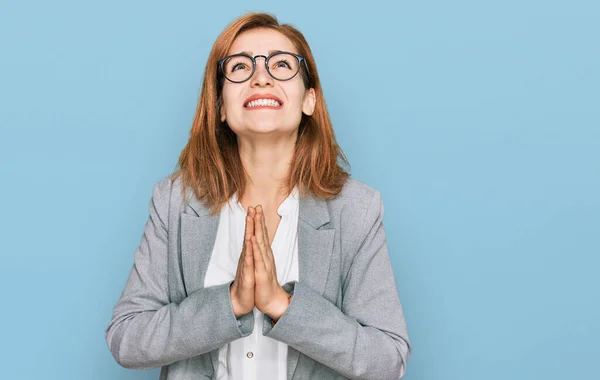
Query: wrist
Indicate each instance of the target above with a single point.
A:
(280, 306)
(234, 304)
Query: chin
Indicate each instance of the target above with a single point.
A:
(268, 129)
(262, 128)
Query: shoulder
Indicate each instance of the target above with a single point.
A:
(357, 195)
(163, 189)
(167, 193)
(356, 208)
(356, 190)
(177, 198)
(355, 213)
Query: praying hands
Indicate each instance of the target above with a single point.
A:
(255, 282)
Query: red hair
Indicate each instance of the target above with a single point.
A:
(210, 163)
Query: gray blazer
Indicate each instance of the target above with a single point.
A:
(345, 319)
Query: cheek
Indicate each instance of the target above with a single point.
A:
(227, 105)
(296, 98)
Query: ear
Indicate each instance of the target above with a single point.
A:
(308, 104)
(222, 111)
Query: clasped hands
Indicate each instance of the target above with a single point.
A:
(255, 282)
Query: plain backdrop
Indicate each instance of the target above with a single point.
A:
(478, 121)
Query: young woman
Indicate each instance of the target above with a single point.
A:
(261, 259)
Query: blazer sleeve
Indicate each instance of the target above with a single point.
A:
(367, 338)
(146, 329)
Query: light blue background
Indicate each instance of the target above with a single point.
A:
(478, 121)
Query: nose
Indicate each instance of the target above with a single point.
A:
(261, 77)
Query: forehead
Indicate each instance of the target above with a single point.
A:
(261, 41)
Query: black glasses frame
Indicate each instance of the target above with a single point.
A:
(300, 59)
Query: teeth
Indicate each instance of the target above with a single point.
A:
(263, 102)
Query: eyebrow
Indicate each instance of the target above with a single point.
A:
(268, 53)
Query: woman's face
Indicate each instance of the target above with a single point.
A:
(245, 118)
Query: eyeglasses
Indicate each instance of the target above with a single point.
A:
(281, 65)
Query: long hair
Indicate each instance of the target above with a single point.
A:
(210, 163)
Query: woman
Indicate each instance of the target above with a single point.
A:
(261, 258)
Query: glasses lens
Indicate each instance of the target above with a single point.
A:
(283, 66)
(238, 68)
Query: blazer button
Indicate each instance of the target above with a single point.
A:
(249, 354)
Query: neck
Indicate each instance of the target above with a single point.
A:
(267, 164)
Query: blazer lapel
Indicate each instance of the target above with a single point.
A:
(198, 233)
(315, 246)
(315, 243)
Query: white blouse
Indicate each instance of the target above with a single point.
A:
(254, 357)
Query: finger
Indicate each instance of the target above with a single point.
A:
(259, 262)
(248, 263)
(249, 256)
(240, 263)
(249, 231)
(249, 223)
(258, 225)
(267, 242)
(259, 233)
(265, 232)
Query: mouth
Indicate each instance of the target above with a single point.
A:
(263, 101)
